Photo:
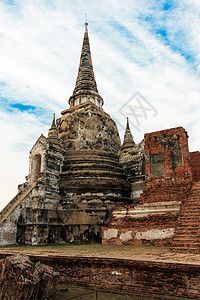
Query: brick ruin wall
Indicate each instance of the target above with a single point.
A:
(167, 166)
(168, 185)
(195, 165)
(151, 230)
(146, 278)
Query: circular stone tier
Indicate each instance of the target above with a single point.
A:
(91, 168)
(90, 175)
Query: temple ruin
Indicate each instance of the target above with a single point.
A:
(83, 186)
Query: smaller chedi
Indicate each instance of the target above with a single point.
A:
(84, 186)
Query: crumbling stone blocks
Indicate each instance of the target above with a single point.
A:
(21, 279)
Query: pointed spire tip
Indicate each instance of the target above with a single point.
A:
(85, 81)
(54, 120)
(127, 124)
(86, 23)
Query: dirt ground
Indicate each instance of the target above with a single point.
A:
(140, 253)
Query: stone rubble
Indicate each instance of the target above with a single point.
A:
(20, 279)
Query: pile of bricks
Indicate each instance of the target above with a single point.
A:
(22, 279)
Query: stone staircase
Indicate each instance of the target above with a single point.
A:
(187, 232)
(14, 202)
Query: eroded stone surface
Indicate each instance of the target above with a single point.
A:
(88, 127)
(126, 236)
(110, 233)
(155, 234)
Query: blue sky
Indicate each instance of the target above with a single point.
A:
(152, 47)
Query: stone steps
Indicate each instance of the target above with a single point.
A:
(187, 232)
(14, 202)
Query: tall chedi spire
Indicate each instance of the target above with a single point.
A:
(128, 138)
(86, 87)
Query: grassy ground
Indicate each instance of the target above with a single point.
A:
(88, 249)
(63, 294)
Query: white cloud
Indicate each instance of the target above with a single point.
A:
(40, 44)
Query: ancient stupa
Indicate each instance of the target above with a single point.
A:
(90, 140)
(75, 177)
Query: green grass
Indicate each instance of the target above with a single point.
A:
(93, 249)
(62, 294)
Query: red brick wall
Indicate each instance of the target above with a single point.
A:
(167, 166)
(166, 190)
(169, 148)
(128, 276)
(195, 165)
